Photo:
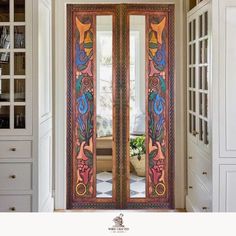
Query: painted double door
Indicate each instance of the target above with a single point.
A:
(120, 106)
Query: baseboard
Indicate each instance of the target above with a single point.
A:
(48, 205)
(189, 205)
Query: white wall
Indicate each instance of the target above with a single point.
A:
(44, 91)
(60, 97)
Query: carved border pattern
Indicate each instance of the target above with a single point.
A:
(89, 201)
(121, 137)
(166, 200)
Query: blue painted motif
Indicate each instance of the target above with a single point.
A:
(160, 123)
(81, 123)
(159, 58)
(81, 57)
(82, 104)
(159, 104)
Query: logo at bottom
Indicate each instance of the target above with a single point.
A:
(118, 226)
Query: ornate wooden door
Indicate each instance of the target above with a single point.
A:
(89, 151)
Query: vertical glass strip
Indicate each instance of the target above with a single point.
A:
(104, 108)
(137, 107)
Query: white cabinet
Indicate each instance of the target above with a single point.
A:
(199, 169)
(25, 106)
(15, 67)
(15, 149)
(15, 203)
(224, 102)
(227, 81)
(227, 188)
(218, 158)
(15, 176)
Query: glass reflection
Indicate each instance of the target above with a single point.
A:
(19, 63)
(104, 107)
(19, 90)
(19, 117)
(4, 90)
(4, 117)
(5, 63)
(19, 10)
(4, 10)
(5, 37)
(137, 107)
(19, 36)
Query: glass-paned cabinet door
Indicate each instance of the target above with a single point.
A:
(203, 79)
(192, 83)
(198, 78)
(15, 67)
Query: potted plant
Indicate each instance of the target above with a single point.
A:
(137, 154)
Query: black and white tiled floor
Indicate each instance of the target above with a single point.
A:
(104, 185)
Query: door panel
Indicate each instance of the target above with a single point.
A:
(158, 116)
(102, 86)
(88, 149)
(137, 134)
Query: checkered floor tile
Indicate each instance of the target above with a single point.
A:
(137, 186)
(104, 185)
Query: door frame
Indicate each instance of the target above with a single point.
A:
(59, 75)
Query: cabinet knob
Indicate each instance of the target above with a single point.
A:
(12, 209)
(190, 187)
(204, 208)
(12, 176)
(195, 133)
(13, 149)
(204, 173)
(190, 158)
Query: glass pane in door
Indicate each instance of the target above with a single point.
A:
(19, 63)
(4, 117)
(5, 63)
(4, 10)
(104, 102)
(137, 108)
(19, 10)
(19, 117)
(4, 90)
(4, 37)
(19, 90)
(19, 36)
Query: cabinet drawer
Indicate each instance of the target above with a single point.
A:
(198, 193)
(15, 149)
(202, 168)
(15, 203)
(15, 176)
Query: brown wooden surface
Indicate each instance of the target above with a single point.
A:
(120, 142)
